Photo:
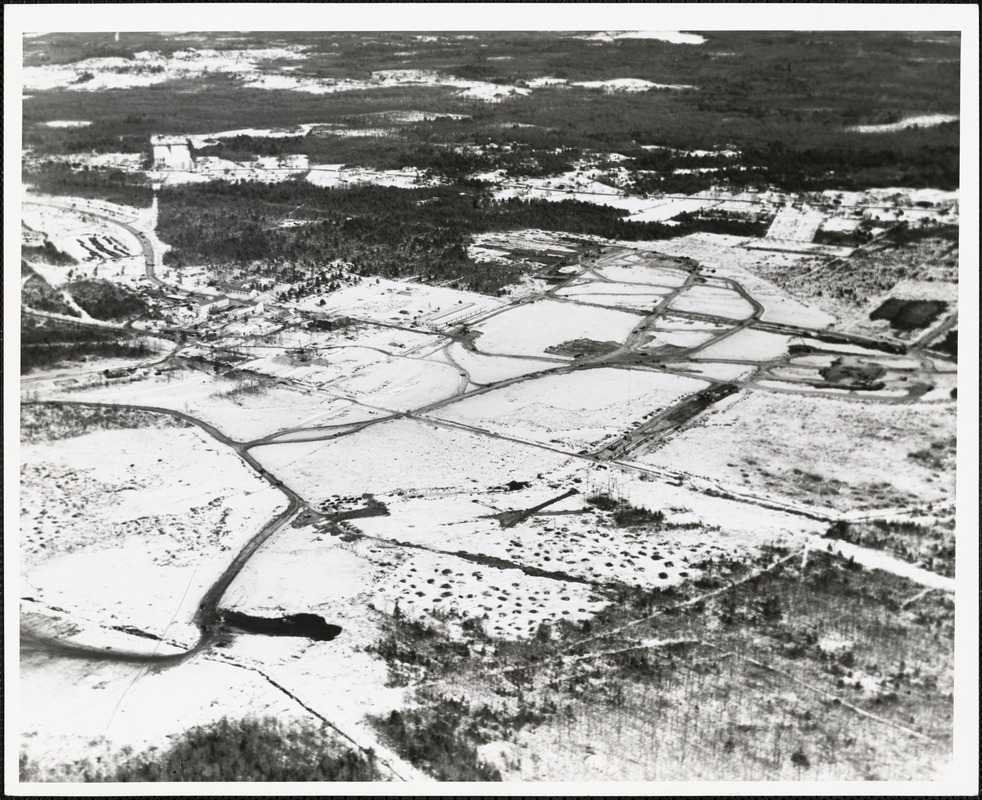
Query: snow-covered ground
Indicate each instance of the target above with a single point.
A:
(102, 250)
(603, 294)
(748, 345)
(582, 409)
(675, 37)
(711, 369)
(335, 175)
(483, 368)
(713, 300)
(664, 210)
(796, 224)
(68, 123)
(528, 239)
(658, 337)
(149, 68)
(769, 436)
(136, 538)
(403, 303)
(72, 710)
(639, 269)
(401, 455)
(922, 121)
(629, 85)
(240, 414)
(529, 329)
(724, 257)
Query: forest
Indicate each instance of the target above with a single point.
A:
(785, 100)
(383, 231)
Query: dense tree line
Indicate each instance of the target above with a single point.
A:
(453, 163)
(114, 186)
(46, 343)
(252, 750)
(440, 740)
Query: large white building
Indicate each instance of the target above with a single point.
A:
(171, 152)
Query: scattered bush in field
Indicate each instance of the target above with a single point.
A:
(624, 514)
(602, 501)
(627, 515)
(244, 384)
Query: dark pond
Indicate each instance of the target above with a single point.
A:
(309, 626)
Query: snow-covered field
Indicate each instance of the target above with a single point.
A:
(748, 345)
(582, 409)
(403, 303)
(336, 175)
(135, 539)
(241, 415)
(68, 123)
(658, 337)
(149, 68)
(673, 322)
(401, 384)
(922, 121)
(72, 710)
(796, 224)
(724, 258)
(675, 37)
(530, 328)
(102, 250)
(529, 239)
(629, 85)
(713, 300)
(804, 448)
(483, 368)
(615, 295)
(366, 375)
(512, 604)
(666, 209)
(646, 274)
(401, 455)
(714, 369)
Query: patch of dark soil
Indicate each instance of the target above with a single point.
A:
(580, 348)
(853, 374)
(909, 315)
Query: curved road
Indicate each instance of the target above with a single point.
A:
(206, 616)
